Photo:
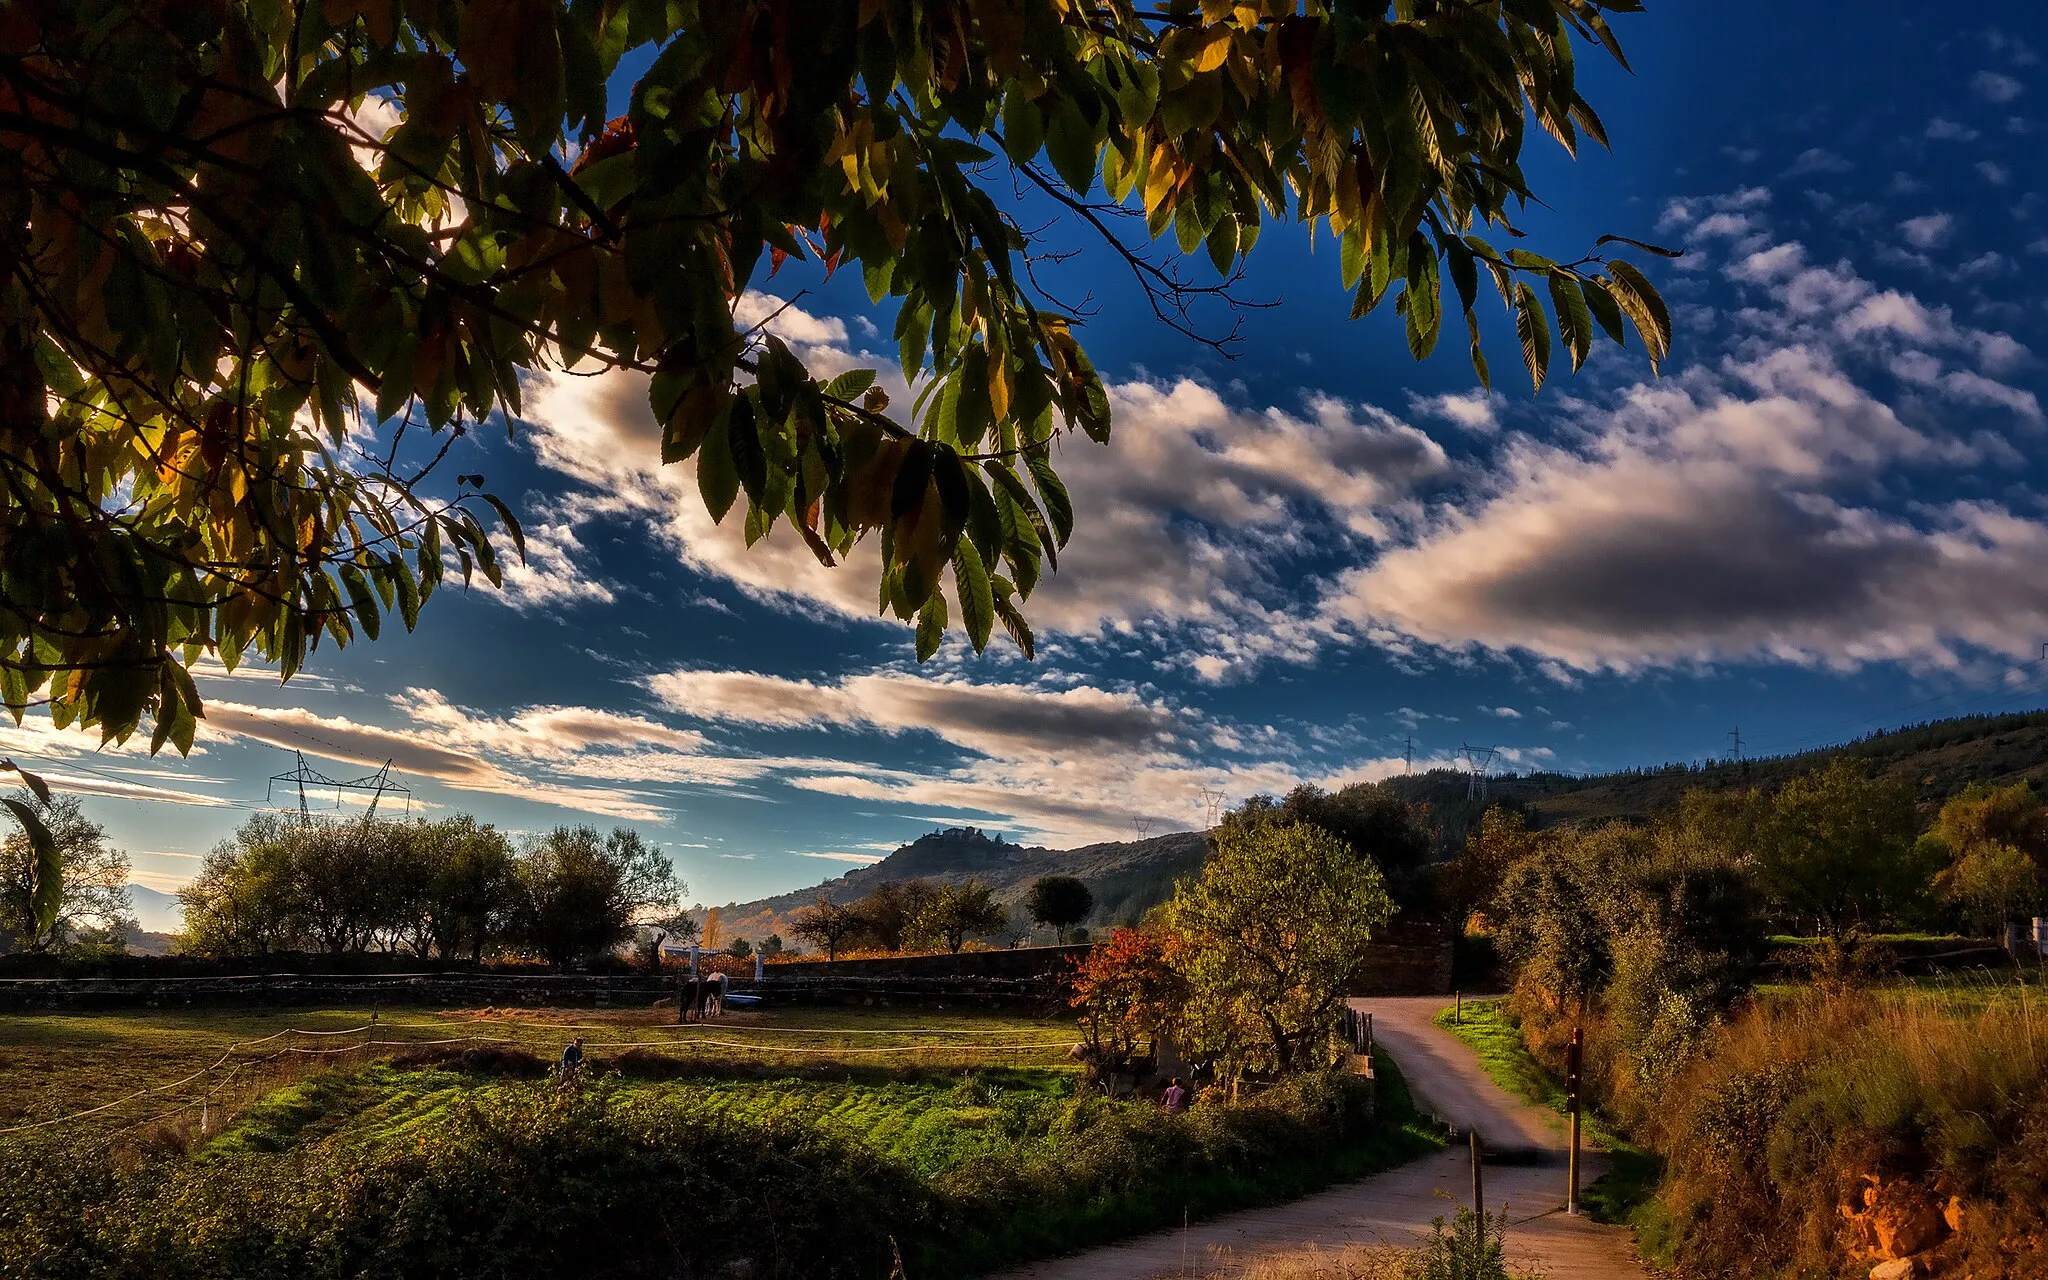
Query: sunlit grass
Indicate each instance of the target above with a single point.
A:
(54, 1065)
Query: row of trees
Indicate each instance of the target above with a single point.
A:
(453, 889)
(932, 915)
(1652, 931)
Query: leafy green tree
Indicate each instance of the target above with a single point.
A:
(952, 913)
(474, 888)
(1470, 881)
(582, 893)
(1060, 902)
(92, 910)
(1270, 936)
(262, 262)
(336, 871)
(243, 901)
(1550, 925)
(889, 912)
(1839, 852)
(1994, 882)
(829, 925)
(1373, 821)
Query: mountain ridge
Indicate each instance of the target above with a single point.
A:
(1937, 758)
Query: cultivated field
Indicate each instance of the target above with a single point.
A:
(149, 1066)
(806, 1142)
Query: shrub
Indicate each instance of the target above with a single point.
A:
(1774, 1138)
(427, 1174)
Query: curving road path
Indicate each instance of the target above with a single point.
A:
(1395, 1207)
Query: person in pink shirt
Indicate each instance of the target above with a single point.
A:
(1175, 1099)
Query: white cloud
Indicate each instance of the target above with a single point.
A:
(1928, 231)
(864, 859)
(1189, 515)
(549, 576)
(1476, 410)
(1941, 130)
(1004, 721)
(1994, 86)
(1818, 160)
(1504, 713)
(1994, 173)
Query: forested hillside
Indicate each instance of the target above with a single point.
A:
(1937, 759)
(1128, 878)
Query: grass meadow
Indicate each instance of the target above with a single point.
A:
(799, 1143)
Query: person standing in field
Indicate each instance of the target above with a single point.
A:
(1175, 1099)
(572, 1059)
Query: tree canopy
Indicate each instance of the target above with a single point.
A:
(1269, 937)
(260, 264)
(1059, 901)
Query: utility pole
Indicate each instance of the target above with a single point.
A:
(1573, 1061)
(299, 775)
(1478, 760)
(1735, 744)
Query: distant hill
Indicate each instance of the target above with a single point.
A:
(1128, 878)
(1938, 759)
(156, 911)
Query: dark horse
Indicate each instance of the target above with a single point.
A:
(702, 996)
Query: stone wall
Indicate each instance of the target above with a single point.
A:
(1414, 959)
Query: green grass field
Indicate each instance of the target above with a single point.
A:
(152, 1063)
(805, 1143)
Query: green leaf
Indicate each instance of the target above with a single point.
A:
(511, 525)
(32, 781)
(1071, 143)
(1013, 621)
(1059, 508)
(931, 626)
(1478, 355)
(977, 606)
(46, 896)
(1574, 320)
(1638, 297)
(1657, 249)
(361, 598)
(1601, 304)
(718, 482)
(848, 386)
(1534, 331)
(1023, 126)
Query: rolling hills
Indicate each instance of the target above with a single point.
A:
(1127, 877)
(1937, 759)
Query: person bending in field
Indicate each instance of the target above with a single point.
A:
(1175, 1099)
(572, 1059)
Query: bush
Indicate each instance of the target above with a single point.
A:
(428, 1174)
(1810, 1107)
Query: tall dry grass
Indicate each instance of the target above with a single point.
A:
(1807, 1094)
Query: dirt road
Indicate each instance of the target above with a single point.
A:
(1396, 1207)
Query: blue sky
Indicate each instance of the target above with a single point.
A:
(1825, 517)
